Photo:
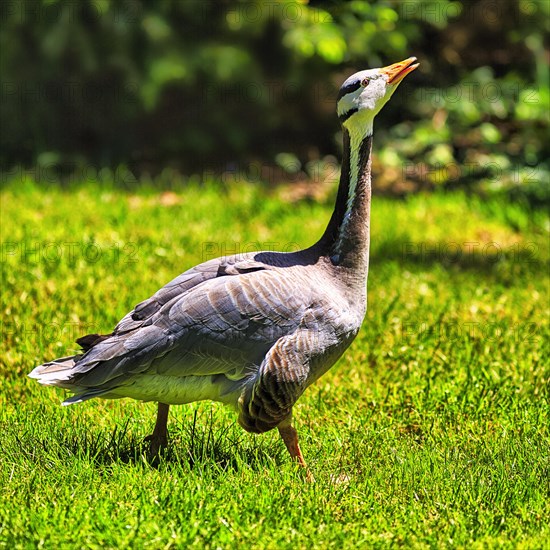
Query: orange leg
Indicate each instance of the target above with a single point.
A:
(290, 437)
(159, 437)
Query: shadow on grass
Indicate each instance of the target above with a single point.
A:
(208, 446)
(486, 258)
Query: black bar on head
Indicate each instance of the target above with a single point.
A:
(348, 89)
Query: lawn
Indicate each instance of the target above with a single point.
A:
(431, 431)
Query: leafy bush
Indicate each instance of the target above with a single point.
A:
(217, 87)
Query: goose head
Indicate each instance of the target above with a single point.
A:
(363, 94)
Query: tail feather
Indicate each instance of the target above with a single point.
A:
(59, 372)
(55, 373)
(88, 394)
(118, 356)
(90, 340)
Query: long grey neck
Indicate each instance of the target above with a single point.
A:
(347, 237)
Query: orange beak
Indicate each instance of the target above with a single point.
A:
(398, 71)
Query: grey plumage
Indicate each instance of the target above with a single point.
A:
(253, 330)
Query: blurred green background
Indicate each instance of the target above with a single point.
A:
(141, 90)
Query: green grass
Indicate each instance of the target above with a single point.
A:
(432, 431)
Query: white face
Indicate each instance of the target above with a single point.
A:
(362, 96)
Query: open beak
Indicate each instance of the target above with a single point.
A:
(398, 71)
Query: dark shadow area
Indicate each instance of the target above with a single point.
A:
(246, 91)
(202, 445)
(487, 259)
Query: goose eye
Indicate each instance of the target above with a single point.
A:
(365, 82)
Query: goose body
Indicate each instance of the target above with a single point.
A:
(251, 330)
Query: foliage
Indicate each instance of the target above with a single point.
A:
(224, 86)
(433, 430)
